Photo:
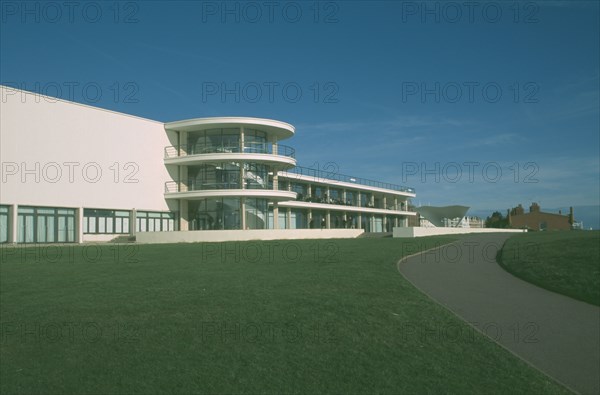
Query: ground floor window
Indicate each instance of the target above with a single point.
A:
(351, 221)
(365, 223)
(152, 221)
(298, 219)
(256, 213)
(377, 224)
(289, 219)
(282, 220)
(215, 214)
(45, 225)
(318, 220)
(337, 220)
(3, 224)
(101, 221)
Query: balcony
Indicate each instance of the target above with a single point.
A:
(328, 175)
(201, 190)
(279, 157)
(352, 203)
(248, 148)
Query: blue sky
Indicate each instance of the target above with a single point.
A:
(389, 89)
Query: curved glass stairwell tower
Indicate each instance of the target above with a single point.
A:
(227, 171)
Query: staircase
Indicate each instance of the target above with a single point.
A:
(123, 239)
(375, 235)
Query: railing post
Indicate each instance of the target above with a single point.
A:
(242, 140)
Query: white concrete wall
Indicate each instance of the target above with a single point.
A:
(421, 231)
(89, 238)
(244, 235)
(44, 134)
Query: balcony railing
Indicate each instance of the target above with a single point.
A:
(248, 148)
(177, 186)
(351, 203)
(334, 176)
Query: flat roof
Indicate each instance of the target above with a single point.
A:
(279, 129)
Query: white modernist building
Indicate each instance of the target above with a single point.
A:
(76, 173)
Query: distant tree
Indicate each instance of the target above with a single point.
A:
(497, 220)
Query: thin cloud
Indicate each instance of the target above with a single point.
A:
(396, 124)
(502, 139)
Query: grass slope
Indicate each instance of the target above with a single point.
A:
(563, 262)
(253, 317)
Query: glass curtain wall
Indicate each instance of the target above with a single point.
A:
(256, 176)
(283, 185)
(256, 213)
(227, 175)
(213, 140)
(255, 141)
(215, 214)
(214, 176)
(299, 219)
(301, 190)
(318, 220)
(365, 222)
(336, 220)
(350, 198)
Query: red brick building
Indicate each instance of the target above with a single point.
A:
(535, 219)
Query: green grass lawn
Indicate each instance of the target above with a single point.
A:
(564, 262)
(254, 317)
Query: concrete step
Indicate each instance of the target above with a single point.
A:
(375, 235)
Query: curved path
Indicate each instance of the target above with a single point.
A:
(558, 335)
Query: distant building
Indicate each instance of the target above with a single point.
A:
(446, 217)
(535, 219)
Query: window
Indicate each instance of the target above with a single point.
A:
(215, 214)
(335, 194)
(214, 176)
(298, 219)
(101, 221)
(255, 141)
(256, 213)
(318, 220)
(363, 199)
(152, 221)
(256, 176)
(3, 224)
(214, 140)
(301, 191)
(350, 198)
(282, 185)
(45, 225)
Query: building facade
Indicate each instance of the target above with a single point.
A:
(536, 219)
(75, 173)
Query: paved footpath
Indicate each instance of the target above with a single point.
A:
(558, 335)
